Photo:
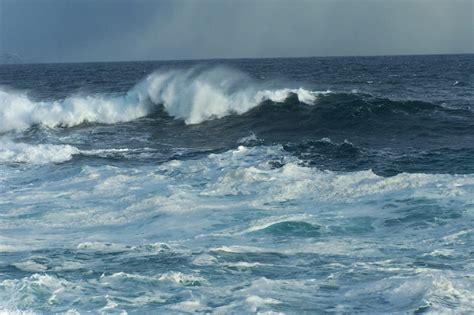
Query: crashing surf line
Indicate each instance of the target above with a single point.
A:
(194, 95)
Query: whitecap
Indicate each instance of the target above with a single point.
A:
(14, 152)
(194, 95)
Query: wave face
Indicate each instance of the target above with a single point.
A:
(194, 95)
(199, 95)
(237, 187)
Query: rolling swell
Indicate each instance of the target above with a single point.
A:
(194, 95)
(347, 157)
(186, 114)
(343, 111)
(360, 118)
(202, 94)
(283, 108)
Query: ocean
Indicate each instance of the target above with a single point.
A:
(307, 185)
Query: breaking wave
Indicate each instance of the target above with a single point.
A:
(194, 95)
(18, 111)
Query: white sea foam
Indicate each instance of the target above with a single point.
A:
(119, 278)
(242, 265)
(35, 153)
(196, 96)
(23, 293)
(18, 111)
(262, 295)
(101, 247)
(205, 260)
(189, 306)
(236, 179)
(30, 266)
(193, 95)
(184, 279)
(214, 205)
(252, 138)
(267, 222)
(18, 152)
(245, 174)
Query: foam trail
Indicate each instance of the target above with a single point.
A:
(35, 154)
(194, 95)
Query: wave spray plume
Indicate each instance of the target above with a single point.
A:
(194, 95)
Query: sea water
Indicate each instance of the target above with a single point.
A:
(317, 185)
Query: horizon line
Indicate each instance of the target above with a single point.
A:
(238, 58)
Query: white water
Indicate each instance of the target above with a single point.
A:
(35, 153)
(193, 95)
(219, 215)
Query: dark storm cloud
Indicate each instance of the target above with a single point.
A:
(87, 30)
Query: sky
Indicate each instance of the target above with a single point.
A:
(120, 30)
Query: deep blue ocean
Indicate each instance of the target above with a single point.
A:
(308, 185)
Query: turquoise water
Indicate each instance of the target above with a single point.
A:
(319, 185)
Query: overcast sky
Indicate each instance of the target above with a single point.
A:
(112, 30)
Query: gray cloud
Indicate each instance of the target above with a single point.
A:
(106, 30)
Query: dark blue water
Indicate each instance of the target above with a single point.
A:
(319, 185)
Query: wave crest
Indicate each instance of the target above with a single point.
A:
(18, 112)
(194, 95)
(198, 94)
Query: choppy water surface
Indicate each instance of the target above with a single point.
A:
(319, 185)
